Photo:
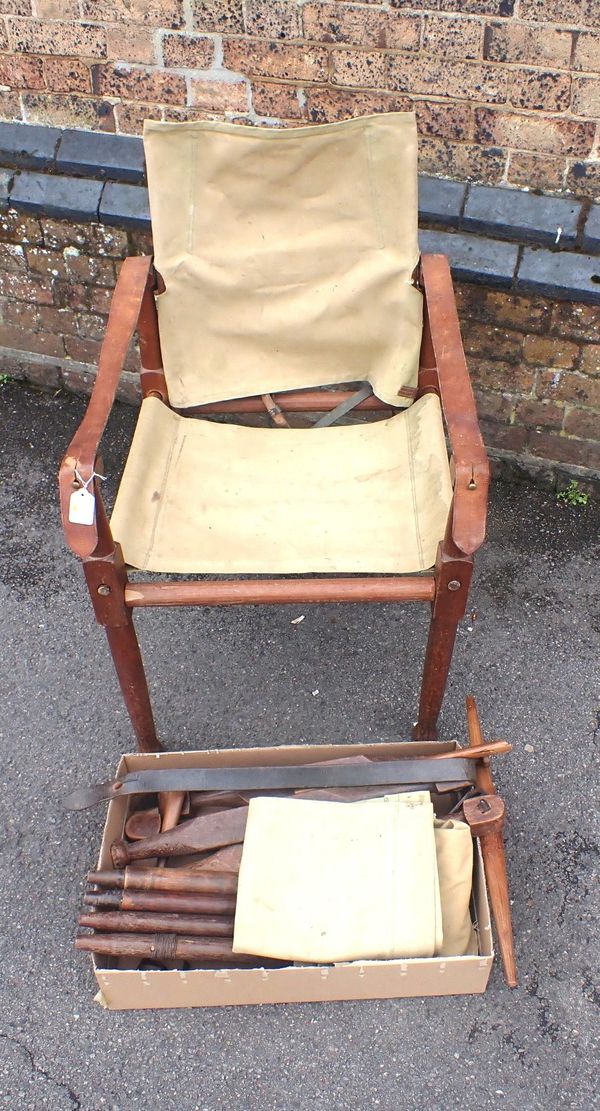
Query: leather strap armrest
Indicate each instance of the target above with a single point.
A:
(471, 465)
(133, 282)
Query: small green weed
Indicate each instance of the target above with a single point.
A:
(572, 495)
(4, 379)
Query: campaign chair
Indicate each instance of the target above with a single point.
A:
(286, 265)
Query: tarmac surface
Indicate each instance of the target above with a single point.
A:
(240, 676)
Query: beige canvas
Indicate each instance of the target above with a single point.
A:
(331, 881)
(454, 852)
(199, 496)
(287, 255)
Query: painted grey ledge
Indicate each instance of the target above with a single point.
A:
(474, 258)
(494, 211)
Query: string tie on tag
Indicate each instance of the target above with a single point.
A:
(94, 474)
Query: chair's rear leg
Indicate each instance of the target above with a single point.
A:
(453, 577)
(106, 579)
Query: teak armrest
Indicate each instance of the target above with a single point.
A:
(134, 279)
(471, 466)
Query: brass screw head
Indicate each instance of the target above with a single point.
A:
(104, 590)
(454, 584)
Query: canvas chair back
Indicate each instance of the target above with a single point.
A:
(287, 256)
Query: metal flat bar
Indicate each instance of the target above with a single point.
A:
(248, 592)
(418, 771)
(345, 407)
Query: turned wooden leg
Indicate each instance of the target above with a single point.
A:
(453, 576)
(106, 578)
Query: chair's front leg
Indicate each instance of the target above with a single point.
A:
(106, 578)
(453, 573)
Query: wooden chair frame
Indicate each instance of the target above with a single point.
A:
(442, 370)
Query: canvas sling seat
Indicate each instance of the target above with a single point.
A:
(197, 496)
(285, 262)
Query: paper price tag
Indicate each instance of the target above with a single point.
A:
(82, 507)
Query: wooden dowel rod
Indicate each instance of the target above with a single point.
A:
(194, 925)
(166, 879)
(409, 588)
(167, 902)
(162, 947)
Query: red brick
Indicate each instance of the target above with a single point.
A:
(576, 13)
(68, 110)
(450, 36)
(465, 80)
(17, 228)
(25, 340)
(550, 351)
(502, 436)
(33, 36)
(186, 52)
(79, 379)
(15, 7)
(586, 96)
(99, 300)
(503, 377)
(61, 322)
(518, 42)
(49, 264)
(220, 96)
(525, 314)
(153, 13)
(90, 326)
(95, 239)
(21, 73)
(12, 258)
(57, 9)
(10, 105)
(279, 101)
(42, 372)
(327, 105)
(3, 37)
(128, 42)
(539, 414)
(494, 406)
(539, 90)
(361, 68)
(139, 84)
(130, 117)
(272, 19)
(225, 16)
(564, 449)
(275, 59)
(548, 136)
(83, 350)
(590, 361)
(22, 315)
(67, 75)
(21, 287)
(90, 271)
(577, 321)
(534, 171)
(575, 389)
(490, 341)
(584, 423)
(464, 161)
(444, 120)
(583, 179)
(359, 26)
(587, 52)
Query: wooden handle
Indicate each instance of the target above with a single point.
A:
(208, 832)
(167, 879)
(167, 902)
(145, 922)
(162, 947)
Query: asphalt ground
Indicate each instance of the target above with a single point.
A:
(528, 650)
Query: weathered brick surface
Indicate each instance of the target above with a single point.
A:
(502, 91)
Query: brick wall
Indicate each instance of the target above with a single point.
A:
(505, 90)
(535, 364)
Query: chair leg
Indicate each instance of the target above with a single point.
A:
(106, 579)
(453, 577)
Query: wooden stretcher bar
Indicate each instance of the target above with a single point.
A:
(409, 588)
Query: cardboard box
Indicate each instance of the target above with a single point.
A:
(129, 990)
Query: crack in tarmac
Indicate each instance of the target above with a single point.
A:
(76, 1102)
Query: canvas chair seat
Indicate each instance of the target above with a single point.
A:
(202, 497)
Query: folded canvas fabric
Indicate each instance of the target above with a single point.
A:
(454, 851)
(323, 881)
